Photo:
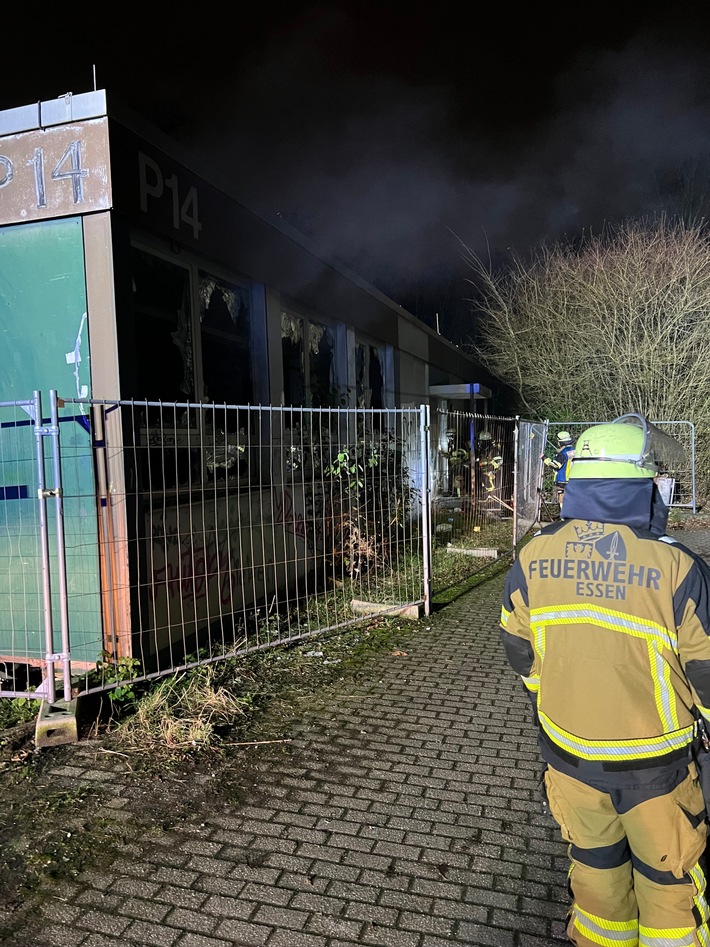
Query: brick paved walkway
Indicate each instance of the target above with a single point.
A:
(405, 814)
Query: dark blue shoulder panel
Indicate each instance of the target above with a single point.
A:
(515, 581)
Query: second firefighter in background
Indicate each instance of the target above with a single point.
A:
(561, 463)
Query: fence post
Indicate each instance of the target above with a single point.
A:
(692, 471)
(516, 462)
(57, 493)
(425, 439)
(49, 655)
(98, 444)
(48, 687)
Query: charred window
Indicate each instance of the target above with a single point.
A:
(369, 376)
(225, 338)
(310, 375)
(293, 360)
(164, 368)
(324, 388)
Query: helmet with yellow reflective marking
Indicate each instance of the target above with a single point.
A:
(564, 438)
(626, 448)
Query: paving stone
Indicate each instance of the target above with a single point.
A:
(145, 910)
(104, 923)
(187, 920)
(102, 900)
(280, 917)
(377, 936)
(200, 940)
(175, 876)
(101, 940)
(156, 935)
(59, 912)
(323, 924)
(297, 939)
(194, 847)
(58, 935)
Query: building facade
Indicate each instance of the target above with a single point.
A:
(130, 272)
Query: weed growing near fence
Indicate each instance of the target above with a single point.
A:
(208, 709)
(185, 711)
(118, 674)
(16, 711)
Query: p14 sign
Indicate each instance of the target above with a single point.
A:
(55, 172)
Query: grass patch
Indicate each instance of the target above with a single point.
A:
(17, 710)
(183, 712)
(203, 711)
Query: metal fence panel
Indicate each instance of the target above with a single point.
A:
(34, 618)
(530, 451)
(473, 480)
(22, 600)
(247, 527)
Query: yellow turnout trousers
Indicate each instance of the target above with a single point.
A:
(636, 875)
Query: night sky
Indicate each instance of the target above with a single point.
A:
(398, 136)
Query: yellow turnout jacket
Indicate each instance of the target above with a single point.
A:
(607, 623)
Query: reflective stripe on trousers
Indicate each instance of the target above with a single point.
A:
(636, 874)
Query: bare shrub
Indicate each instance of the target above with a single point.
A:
(619, 323)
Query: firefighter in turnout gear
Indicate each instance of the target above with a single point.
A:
(607, 621)
(489, 474)
(561, 463)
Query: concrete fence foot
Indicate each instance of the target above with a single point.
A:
(56, 723)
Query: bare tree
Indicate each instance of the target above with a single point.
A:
(619, 323)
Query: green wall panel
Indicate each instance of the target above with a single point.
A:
(43, 320)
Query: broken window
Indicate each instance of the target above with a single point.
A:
(293, 360)
(225, 338)
(321, 356)
(369, 376)
(164, 367)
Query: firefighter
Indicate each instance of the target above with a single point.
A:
(489, 478)
(607, 620)
(561, 463)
